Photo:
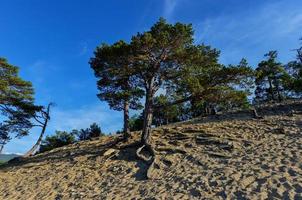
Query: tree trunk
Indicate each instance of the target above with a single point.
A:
(271, 89)
(147, 118)
(38, 143)
(1, 148)
(126, 120)
(279, 95)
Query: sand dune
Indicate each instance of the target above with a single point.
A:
(225, 157)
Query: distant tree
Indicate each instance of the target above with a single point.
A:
(158, 57)
(93, 131)
(117, 82)
(165, 115)
(294, 70)
(136, 122)
(16, 103)
(61, 138)
(82, 134)
(270, 78)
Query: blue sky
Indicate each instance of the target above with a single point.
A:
(52, 40)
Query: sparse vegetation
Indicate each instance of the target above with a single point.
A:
(59, 139)
(93, 131)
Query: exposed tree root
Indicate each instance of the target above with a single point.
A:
(141, 154)
(148, 150)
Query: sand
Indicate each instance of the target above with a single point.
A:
(209, 158)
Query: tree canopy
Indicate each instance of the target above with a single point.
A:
(16, 103)
(117, 83)
(270, 79)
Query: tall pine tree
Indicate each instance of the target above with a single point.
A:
(117, 82)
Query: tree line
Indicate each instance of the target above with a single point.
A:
(161, 72)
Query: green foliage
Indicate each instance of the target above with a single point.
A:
(165, 57)
(166, 114)
(11, 85)
(116, 81)
(270, 79)
(294, 78)
(136, 122)
(16, 103)
(93, 131)
(160, 52)
(210, 85)
(61, 138)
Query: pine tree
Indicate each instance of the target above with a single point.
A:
(159, 54)
(294, 69)
(117, 82)
(270, 76)
(16, 103)
(208, 85)
(165, 115)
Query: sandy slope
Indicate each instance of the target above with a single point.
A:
(218, 158)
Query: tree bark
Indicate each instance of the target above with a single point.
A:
(147, 118)
(126, 120)
(38, 143)
(271, 89)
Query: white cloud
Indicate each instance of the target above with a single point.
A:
(13, 153)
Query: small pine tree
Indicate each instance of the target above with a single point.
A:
(61, 138)
(270, 79)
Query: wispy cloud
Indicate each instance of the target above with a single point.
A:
(252, 32)
(82, 117)
(83, 48)
(169, 8)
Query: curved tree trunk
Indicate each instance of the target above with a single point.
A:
(126, 120)
(33, 150)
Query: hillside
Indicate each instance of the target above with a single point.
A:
(7, 157)
(229, 156)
